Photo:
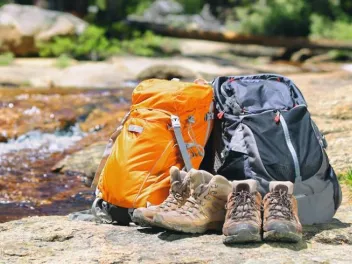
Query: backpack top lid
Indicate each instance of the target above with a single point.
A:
(256, 93)
(173, 96)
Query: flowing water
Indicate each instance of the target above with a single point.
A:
(38, 128)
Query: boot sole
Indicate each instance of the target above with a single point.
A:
(159, 221)
(141, 220)
(275, 236)
(243, 236)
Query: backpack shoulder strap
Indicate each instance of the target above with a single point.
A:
(176, 125)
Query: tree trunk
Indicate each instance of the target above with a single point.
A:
(233, 37)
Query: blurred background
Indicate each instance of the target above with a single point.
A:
(67, 69)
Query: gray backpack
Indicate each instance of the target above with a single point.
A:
(265, 132)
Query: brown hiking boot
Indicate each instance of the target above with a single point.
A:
(281, 222)
(179, 192)
(204, 209)
(243, 220)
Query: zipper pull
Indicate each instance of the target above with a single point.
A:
(220, 115)
(277, 117)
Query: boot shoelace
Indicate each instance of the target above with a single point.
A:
(280, 205)
(245, 201)
(176, 197)
(193, 202)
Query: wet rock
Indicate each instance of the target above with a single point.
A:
(21, 26)
(97, 75)
(22, 111)
(85, 161)
(167, 72)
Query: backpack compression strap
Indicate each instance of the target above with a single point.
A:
(176, 125)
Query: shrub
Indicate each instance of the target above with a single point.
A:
(63, 61)
(323, 27)
(277, 18)
(146, 44)
(91, 44)
(6, 58)
(94, 45)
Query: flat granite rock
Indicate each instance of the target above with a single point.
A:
(55, 239)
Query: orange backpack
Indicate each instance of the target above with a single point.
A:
(168, 124)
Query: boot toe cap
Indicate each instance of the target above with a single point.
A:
(241, 227)
(281, 227)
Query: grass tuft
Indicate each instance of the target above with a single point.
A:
(346, 178)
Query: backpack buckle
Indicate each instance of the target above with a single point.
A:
(209, 116)
(175, 121)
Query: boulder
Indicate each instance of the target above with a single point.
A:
(164, 71)
(170, 13)
(21, 26)
(84, 162)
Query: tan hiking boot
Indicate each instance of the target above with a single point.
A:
(179, 192)
(281, 222)
(243, 220)
(204, 209)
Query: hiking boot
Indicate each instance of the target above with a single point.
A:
(243, 219)
(179, 192)
(281, 222)
(204, 209)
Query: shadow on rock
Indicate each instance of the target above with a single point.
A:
(150, 230)
(245, 245)
(173, 235)
(310, 231)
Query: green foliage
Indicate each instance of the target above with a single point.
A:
(3, 2)
(192, 6)
(63, 61)
(322, 27)
(276, 18)
(340, 55)
(101, 4)
(6, 58)
(147, 44)
(93, 44)
(141, 7)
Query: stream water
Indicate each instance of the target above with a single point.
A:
(38, 128)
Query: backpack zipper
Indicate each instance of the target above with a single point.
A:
(280, 119)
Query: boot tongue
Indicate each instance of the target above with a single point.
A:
(246, 186)
(281, 186)
(198, 178)
(242, 187)
(177, 177)
(281, 209)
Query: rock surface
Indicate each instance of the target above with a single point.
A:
(21, 26)
(201, 58)
(57, 240)
(85, 161)
(167, 72)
